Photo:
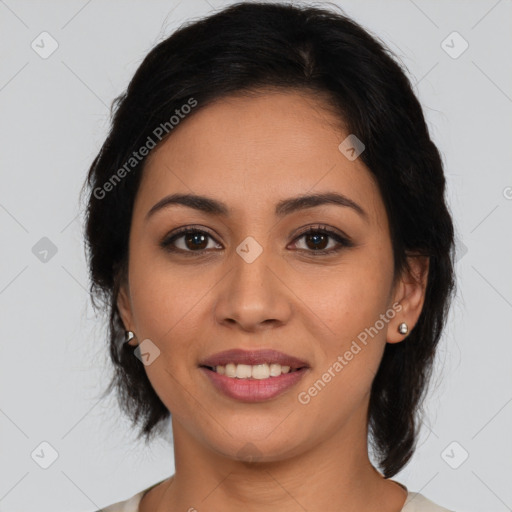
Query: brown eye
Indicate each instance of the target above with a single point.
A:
(188, 240)
(195, 240)
(317, 241)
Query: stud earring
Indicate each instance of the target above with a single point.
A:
(129, 335)
(403, 328)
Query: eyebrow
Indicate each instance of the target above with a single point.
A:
(283, 207)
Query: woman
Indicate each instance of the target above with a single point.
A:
(268, 231)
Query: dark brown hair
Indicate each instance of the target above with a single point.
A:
(251, 46)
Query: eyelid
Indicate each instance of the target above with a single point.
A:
(321, 227)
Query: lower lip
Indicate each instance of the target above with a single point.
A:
(254, 390)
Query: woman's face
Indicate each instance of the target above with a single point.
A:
(250, 279)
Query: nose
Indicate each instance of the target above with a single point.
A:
(254, 295)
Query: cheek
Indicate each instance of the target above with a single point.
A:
(350, 301)
(165, 308)
(164, 296)
(349, 297)
(352, 350)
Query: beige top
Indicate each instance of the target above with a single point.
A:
(415, 502)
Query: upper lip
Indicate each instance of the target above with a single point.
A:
(252, 357)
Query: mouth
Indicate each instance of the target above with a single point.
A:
(259, 364)
(253, 376)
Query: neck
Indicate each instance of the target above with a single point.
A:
(333, 475)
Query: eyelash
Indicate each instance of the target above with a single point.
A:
(167, 242)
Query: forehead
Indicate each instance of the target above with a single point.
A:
(252, 150)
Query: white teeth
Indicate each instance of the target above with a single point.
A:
(246, 371)
(275, 369)
(243, 371)
(230, 370)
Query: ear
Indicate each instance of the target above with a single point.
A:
(410, 294)
(124, 306)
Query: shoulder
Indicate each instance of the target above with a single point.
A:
(416, 502)
(129, 505)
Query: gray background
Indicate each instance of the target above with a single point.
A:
(54, 365)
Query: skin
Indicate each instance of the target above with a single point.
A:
(250, 153)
